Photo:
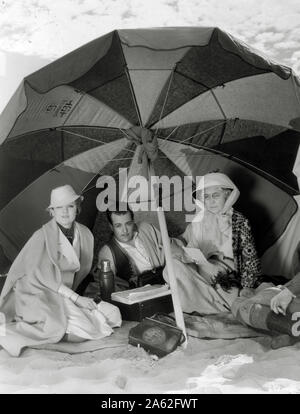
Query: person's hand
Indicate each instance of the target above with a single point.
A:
(86, 303)
(179, 253)
(209, 271)
(247, 292)
(95, 272)
(281, 301)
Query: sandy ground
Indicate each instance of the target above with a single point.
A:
(205, 366)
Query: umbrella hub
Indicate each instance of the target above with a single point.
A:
(147, 140)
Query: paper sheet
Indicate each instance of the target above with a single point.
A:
(196, 255)
(140, 294)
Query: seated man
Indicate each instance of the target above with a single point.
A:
(135, 250)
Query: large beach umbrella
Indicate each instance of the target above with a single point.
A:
(209, 100)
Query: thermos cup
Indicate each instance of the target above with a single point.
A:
(106, 280)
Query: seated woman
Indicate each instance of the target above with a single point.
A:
(38, 299)
(224, 237)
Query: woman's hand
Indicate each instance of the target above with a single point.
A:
(209, 271)
(86, 303)
(178, 251)
(247, 292)
(281, 301)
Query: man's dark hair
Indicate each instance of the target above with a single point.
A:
(119, 209)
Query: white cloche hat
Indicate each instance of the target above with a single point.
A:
(62, 196)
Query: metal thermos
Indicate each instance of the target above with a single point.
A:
(106, 280)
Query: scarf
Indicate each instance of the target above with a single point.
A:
(213, 233)
(69, 233)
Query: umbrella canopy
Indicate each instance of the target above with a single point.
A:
(211, 100)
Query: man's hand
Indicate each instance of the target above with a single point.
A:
(281, 301)
(86, 303)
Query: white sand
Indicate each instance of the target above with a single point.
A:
(205, 366)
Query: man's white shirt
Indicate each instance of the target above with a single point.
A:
(137, 253)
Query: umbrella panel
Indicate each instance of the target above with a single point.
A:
(25, 158)
(218, 66)
(107, 81)
(268, 150)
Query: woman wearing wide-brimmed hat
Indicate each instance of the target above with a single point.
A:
(224, 237)
(39, 299)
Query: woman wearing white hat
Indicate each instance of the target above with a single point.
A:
(224, 237)
(39, 299)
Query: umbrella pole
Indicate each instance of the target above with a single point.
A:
(168, 255)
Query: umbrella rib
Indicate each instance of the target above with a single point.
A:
(120, 159)
(199, 83)
(129, 81)
(218, 103)
(107, 161)
(38, 131)
(223, 113)
(125, 134)
(91, 139)
(103, 84)
(59, 165)
(129, 138)
(203, 132)
(81, 136)
(8, 237)
(165, 100)
(177, 156)
(240, 161)
(98, 173)
(165, 139)
(194, 80)
(198, 133)
(133, 97)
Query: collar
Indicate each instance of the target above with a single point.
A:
(135, 235)
(69, 233)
